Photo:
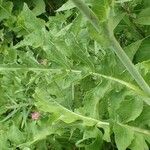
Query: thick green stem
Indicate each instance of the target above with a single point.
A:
(116, 46)
(90, 15)
(129, 65)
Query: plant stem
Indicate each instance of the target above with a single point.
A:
(90, 15)
(111, 78)
(129, 65)
(116, 46)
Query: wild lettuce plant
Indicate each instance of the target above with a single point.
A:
(75, 78)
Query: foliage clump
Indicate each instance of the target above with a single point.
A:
(62, 85)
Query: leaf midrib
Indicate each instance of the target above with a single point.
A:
(129, 85)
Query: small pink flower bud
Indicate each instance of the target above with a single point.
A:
(35, 115)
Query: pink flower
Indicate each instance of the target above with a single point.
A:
(35, 115)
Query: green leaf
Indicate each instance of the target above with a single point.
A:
(27, 58)
(5, 9)
(55, 63)
(63, 31)
(122, 1)
(143, 53)
(139, 143)
(144, 118)
(132, 49)
(76, 49)
(15, 135)
(114, 21)
(102, 38)
(39, 7)
(26, 148)
(101, 9)
(53, 106)
(67, 6)
(57, 56)
(123, 137)
(92, 139)
(3, 140)
(144, 17)
(34, 39)
(94, 98)
(130, 108)
(28, 21)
